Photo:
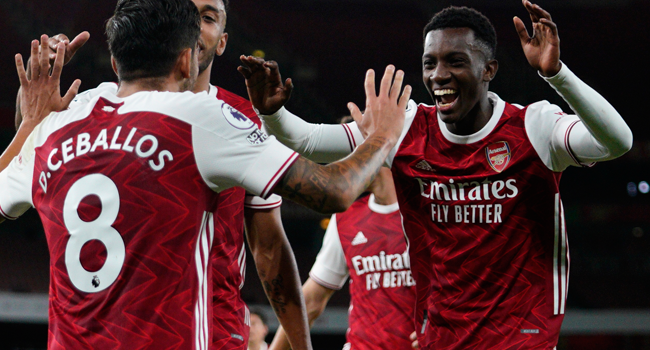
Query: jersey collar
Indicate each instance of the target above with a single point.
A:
(213, 91)
(381, 209)
(499, 106)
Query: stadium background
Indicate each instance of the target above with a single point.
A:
(326, 46)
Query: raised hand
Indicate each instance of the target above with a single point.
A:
(40, 92)
(542, 49)
(384, 112)
(264, 84)
(71, 47)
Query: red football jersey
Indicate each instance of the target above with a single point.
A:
(382, 290)
(486, 234)
(231, 316)
(127, 192)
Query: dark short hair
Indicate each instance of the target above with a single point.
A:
(226, 5)
(260, 314)
(146, 36)
(465, 17)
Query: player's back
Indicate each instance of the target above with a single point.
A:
(129, 221)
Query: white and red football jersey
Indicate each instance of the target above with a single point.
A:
(486, 230)
(483, 212)
(366, 242)
(230, 314)
(127, 190)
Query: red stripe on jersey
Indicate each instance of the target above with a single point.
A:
(323, 283)
(2, 212)
(350, 136)
(269, 187)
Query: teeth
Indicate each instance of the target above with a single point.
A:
(445, 104)
(444, 92)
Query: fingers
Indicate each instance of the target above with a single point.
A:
(551, 25)
(397, 85)
(44, 56)
(414, 339)
(70, 95)
(355, 112)
(521, 30)
(58, 61)
(386, 80)
(20, 67)
(369, 85)
(288, 88)
(406, 96)
(33, 60)
(78, 41)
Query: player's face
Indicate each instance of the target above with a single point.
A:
(454, 72)
(258, 330)
(213, 22)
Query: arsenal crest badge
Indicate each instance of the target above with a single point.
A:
(498, 155)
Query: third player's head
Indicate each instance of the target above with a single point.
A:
(213, 38)
(149, 39)
(459, 62)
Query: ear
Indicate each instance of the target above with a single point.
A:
(221, 47)
(490, 70)
(184, 64)
(114, 65)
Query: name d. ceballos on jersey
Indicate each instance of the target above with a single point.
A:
(384, 270)
(107, 140)
(485, 191)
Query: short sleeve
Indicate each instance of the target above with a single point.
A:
(259, 203)
(548, 129)
(16, 182)
(330, 269)
(234, 152)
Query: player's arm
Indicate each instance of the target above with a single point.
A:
(70, 48)
(316, 299)
(277, 269)
(40, 96)
(602, 133)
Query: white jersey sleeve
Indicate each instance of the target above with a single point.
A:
(596, 133)
(16, 182)
(324, 143)
(231, 151)
(330, 269)
(259, 203)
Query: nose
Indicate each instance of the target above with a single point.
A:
(440, 75)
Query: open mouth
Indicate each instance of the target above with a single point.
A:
(445, 98)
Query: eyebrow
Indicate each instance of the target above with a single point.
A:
(210, 8)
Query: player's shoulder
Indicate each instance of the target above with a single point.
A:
(240, 103)
(196, 109)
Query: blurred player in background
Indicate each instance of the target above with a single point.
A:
(367, 243)
(126, 185)
(259, 331)
(477, 180)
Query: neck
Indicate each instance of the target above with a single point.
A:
(203, 80)
(476, 119)
(254, 345)
(128, 88)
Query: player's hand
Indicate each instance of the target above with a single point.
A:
(40, 94)
(264, 84)
(384, 112)
(71, 47)
(542, 49)
(414, 340)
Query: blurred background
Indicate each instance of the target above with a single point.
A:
(326, 47)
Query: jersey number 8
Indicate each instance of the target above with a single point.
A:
(99, 229)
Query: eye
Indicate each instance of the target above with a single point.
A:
(429, 64)
(457, 62)
(209, 19)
